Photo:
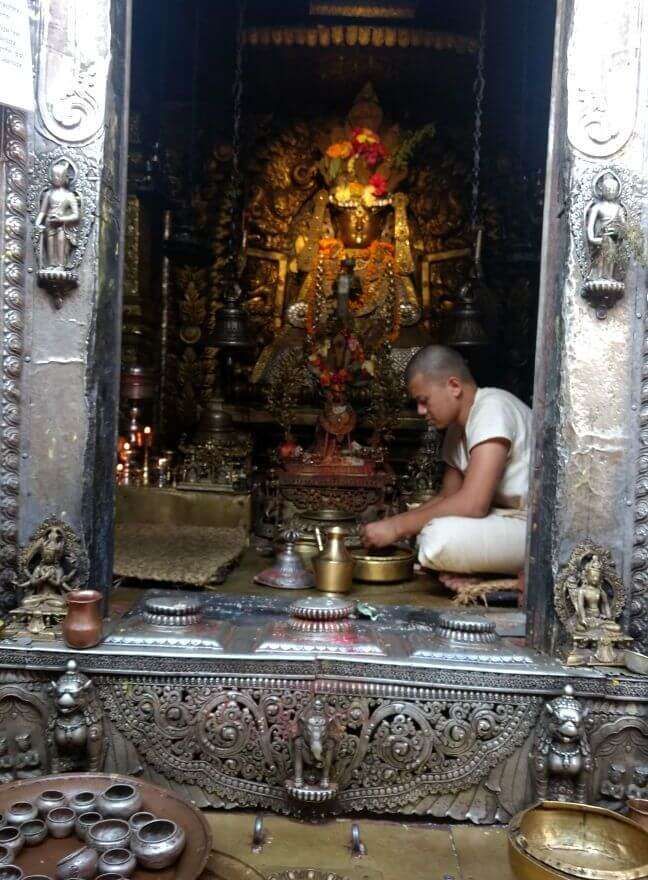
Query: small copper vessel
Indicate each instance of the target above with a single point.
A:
(83, 627)
(334, 565)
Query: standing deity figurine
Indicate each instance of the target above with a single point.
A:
(605, 227)
(606, 220)
(58, 219)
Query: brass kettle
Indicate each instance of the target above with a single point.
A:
(334, 564)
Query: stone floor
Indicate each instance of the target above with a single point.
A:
(413, 850)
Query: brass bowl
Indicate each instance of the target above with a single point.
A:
(562, 840)
(388, 566)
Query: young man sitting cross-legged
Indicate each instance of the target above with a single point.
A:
(477, 524)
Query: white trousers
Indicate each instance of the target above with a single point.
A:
(494, 544)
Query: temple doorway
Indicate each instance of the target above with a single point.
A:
(241, 127)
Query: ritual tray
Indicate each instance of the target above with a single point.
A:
(42, 859)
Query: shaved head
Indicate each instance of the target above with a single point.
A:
(438, 363)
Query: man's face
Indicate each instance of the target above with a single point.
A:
(436, 399)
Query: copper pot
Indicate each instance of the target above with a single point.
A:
(83, 627)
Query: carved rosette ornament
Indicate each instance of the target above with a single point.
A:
(51, 565)
(12, 275)
(589, 598)
(62, 199)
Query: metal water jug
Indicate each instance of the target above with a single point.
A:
(333, 565)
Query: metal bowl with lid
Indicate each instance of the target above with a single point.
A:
(386, 566)
(562, 840)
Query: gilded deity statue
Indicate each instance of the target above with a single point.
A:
(358, 214)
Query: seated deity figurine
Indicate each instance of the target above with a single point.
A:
(590, 600)
(612, 788)
(48, 582)
(638, 788)
(477, 524)
(7, 771)
(28, 762)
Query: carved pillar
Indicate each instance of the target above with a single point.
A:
(587, 381)
(61, 422)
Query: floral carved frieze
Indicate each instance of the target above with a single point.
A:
(239, 743)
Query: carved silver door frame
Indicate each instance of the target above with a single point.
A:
(60, 367)
(13, 187)
(589, 381)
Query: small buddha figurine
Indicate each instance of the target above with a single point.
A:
(58, 219)
(612, 788)
(7, 770)
(28, 762)
(606, 220)
(638, 788)
(590, 599)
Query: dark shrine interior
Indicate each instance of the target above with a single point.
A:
(291, 81)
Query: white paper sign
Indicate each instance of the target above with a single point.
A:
(16, 82)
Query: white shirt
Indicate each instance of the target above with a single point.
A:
(495, 413)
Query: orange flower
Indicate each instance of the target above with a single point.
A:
(356, 189)
(340, 150)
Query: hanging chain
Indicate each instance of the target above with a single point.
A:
(478, 91)
(194, 102)
(236, 180)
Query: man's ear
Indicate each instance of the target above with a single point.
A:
(454, 386)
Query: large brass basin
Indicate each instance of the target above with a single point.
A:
(557, 840)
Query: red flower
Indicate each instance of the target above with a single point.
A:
(367, 144)
(378, 184)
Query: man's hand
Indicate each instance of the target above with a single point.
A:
(380, 534)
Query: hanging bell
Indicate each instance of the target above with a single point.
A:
(230, 326)
(467, 328)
